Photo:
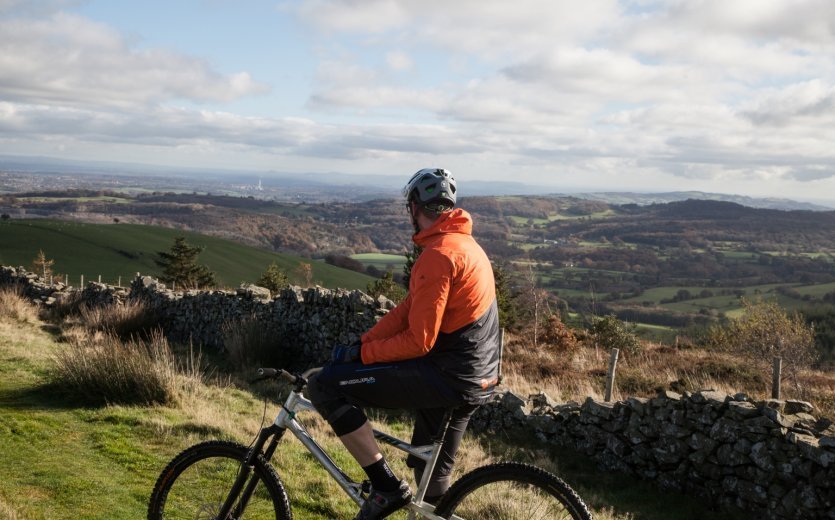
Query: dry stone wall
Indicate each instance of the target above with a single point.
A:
(311, 320)
(772, 458)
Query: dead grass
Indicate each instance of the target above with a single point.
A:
(128, 319)
(582, 373)
(14, 306)
(104, 368)
(7, 511)
(250, 344)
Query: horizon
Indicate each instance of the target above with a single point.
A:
(41, 166)
(722, 96)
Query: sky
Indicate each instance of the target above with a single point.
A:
(728, 96)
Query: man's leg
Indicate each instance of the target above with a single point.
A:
(427, 425)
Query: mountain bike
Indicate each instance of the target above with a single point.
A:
(224, 480)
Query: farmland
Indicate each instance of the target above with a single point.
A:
(119, 251)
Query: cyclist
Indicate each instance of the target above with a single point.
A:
(437, 350)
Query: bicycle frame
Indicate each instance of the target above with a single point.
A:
(286, 420)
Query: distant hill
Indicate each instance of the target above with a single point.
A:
(644, 199)
(122, 250)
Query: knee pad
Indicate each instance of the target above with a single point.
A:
(346, 419)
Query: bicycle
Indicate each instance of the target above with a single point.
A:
(220, 479)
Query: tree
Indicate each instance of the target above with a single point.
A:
(274, 279)
(386, 286)
(180, 268)
(42, 265)
(411, 258)
(508, 315)
(305, 272)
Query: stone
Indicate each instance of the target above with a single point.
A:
(512, 402)
(741, 410)
(810, 448)
(637, 404)
(542, 423)
(254, 291)
(541, 400)
(599, 409)
(793, 407)
(724, 430)
(777, 417)
(761, 456)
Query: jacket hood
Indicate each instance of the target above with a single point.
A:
(455, 221)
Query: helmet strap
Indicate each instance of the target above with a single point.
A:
(414, 209)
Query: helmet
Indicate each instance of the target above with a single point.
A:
(433, 188)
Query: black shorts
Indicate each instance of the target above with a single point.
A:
(413, 384)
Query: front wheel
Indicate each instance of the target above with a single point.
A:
(196, 483)
(511, 490)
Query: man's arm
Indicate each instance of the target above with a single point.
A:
(393, 322)
(432, 278)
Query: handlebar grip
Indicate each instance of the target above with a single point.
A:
(267, 372)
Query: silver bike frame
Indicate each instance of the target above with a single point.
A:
(417, 508)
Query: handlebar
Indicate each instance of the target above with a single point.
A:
(279, 373)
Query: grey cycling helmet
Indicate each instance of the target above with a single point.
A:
(431, 188)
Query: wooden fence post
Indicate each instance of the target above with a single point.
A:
(776, 374)
(82, 282)
(610, 377)
(119, 283)
(99, 278)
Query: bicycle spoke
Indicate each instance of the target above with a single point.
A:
(201, 489)
(510, 501)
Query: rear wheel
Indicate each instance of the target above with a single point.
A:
(196, 483)
(510, 490)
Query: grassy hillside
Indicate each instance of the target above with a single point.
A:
(121, 250)
(63, 459)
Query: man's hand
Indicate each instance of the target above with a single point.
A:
(346, 353)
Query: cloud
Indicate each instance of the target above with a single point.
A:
(812, 102)
(69, 60)
(399, 61)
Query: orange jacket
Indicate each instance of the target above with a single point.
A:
(451, 286)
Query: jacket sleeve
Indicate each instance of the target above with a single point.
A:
(393, 322)
(431, 277)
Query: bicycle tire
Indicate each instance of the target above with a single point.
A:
(511, 490)
(184, 488)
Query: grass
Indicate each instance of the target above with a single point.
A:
(67, 460)
(115, 251)
(381, 261)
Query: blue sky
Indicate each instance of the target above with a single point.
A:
(733, 96)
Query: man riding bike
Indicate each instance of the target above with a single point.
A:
(437, 350)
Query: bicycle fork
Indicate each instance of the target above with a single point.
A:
(244, 486)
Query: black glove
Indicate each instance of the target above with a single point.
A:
(346, 353)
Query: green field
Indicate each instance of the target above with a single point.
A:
(381, 261)
(121, 250)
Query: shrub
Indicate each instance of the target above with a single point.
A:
(274, 279)
(248, 343)
(386, 286)
(558, 337)
(763, 332)
(611, 332)
(112, 371)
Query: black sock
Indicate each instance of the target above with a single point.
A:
(381, 476)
